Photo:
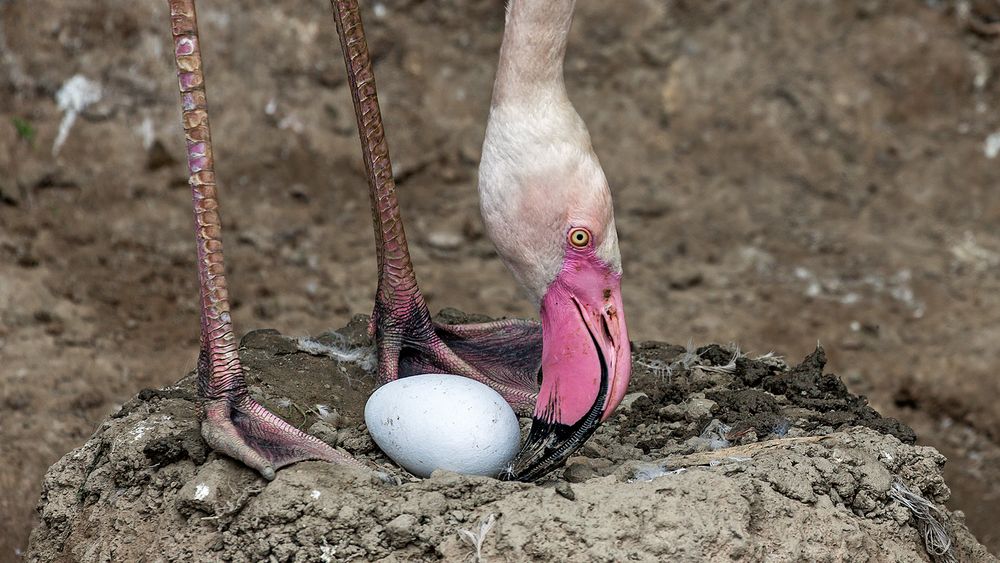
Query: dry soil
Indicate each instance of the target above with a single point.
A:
(783, 172)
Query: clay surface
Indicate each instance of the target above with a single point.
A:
(715, 456)
(784, 171)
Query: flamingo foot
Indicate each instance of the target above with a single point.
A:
(243, 429)
(505, 355)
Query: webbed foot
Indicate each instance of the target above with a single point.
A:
(244, 430)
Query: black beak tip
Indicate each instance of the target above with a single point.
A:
(547, 448)
(549, 442)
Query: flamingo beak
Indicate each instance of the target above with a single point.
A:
(586, 363)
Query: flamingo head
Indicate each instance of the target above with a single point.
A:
(548, 209)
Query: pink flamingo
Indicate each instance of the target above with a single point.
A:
(547, 208)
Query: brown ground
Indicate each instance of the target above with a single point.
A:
(783, 172)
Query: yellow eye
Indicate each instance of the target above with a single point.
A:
(579, 237)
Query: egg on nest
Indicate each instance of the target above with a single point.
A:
(440, 421)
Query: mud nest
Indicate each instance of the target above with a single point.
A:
(714, 454)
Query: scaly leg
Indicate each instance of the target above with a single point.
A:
(506, 355)
(234, 423)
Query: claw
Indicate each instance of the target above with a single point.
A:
(247, 431)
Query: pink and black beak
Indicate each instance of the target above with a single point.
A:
(586, 362)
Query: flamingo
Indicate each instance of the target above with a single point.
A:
(547, 207)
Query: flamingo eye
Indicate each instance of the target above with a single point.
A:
(579, 237)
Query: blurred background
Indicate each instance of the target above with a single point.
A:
(784, 172)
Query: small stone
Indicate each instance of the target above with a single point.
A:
(329, 415)
(445, 240)
(325, 431)
(699, 408)
(626, 404)
(565, 491)
(355, 441)
(599, 463)
(578, 473)
(592, 449)
(671, 413)
(863, 502)
(399, 531)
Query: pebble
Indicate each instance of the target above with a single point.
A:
(445, 240)
(565, 491)
(578, 473)
(699, 408)
(671, 413)
(400, 530)
(626, 404)
(326, 432)
(592, 449)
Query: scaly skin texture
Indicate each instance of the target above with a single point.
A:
(234, 423)
(505, 355)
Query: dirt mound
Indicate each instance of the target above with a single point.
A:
(714, 454)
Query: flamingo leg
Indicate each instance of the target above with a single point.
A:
(506, 355)
(234, 423)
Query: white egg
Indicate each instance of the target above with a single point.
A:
(439, 421)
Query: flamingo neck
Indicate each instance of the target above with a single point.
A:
(533, 48)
